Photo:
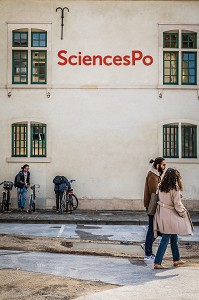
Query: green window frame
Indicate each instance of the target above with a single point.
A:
(170, 68)
(170, 141)
(19, 39)
(39, 39)
(189, 68)
(38, 140)
(38, 67)
(19, 140)
(189, 40)
(170, 40)
(189, 141)
(19, 67)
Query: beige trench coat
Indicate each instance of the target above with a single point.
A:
(171, 216)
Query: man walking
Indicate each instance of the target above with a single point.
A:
(152, 180)
(22, 183)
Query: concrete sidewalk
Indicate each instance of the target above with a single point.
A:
(83, 217)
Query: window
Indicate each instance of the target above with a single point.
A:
(179, 140)
(19, 140)
(180, 57)
(20, 57)
(170, 140)
(20, 67)
(170, 40)
(37, 140)
(189, 67)
(189, 138)
(38, 69)
(39, 39)
(20, 39)
(170, 68)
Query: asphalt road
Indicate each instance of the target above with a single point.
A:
(132, 233)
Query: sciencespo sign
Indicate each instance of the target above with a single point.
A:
(79, 59)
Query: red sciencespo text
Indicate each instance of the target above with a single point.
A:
(107, 60)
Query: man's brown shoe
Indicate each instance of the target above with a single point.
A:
(159, 267)
(179, 263)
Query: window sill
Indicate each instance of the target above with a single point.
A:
(28, 159)
(178, 87)
(29, 86)
(182, 160)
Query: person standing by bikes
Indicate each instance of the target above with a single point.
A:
(60, 182)
(22, 182)
(152, 180)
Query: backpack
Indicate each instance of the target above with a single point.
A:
(16, 183)
(58, 180)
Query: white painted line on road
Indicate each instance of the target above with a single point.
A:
(61, 230)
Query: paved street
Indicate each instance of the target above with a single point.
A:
(139, 279)
(132, 233)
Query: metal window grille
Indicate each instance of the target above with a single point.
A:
(38, 140)
(189, 40)
(19, 140)
(170, 68)
(170, 40)
(20, 67)
(189, 69)
(39, 67)
(170, 141)
(189, 141)
(39, 39)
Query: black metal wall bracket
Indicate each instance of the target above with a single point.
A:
(62, 18)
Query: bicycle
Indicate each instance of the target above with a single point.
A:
(32, 199)
(69, 201)
(5, 203)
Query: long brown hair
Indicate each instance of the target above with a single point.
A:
(172, 180)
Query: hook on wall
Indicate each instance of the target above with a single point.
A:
(62, 18)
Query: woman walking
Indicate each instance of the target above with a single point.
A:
(171, 217)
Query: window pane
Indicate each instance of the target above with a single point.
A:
(170, 40)
(20, 39)
(170, 68)
(19, 140)
(39, 39)
(189, 40)
(170, 140)
(189, 141)
(20, 67)
(189, 68)
(38, 139)
(39, 64)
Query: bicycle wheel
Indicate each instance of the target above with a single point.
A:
(33, 207)
(3, 203)
(8, 200)
(72, 203)
(62, 206)
(30, 205)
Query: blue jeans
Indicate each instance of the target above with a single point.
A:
(163, 246)
(22, 194)
(149, 238)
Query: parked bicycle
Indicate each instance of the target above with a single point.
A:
(5, 202)
(69, 201)
(32, 199)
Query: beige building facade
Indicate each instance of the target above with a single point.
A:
(120, 88)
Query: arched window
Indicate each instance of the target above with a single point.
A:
(180, 140)
(33, 134)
